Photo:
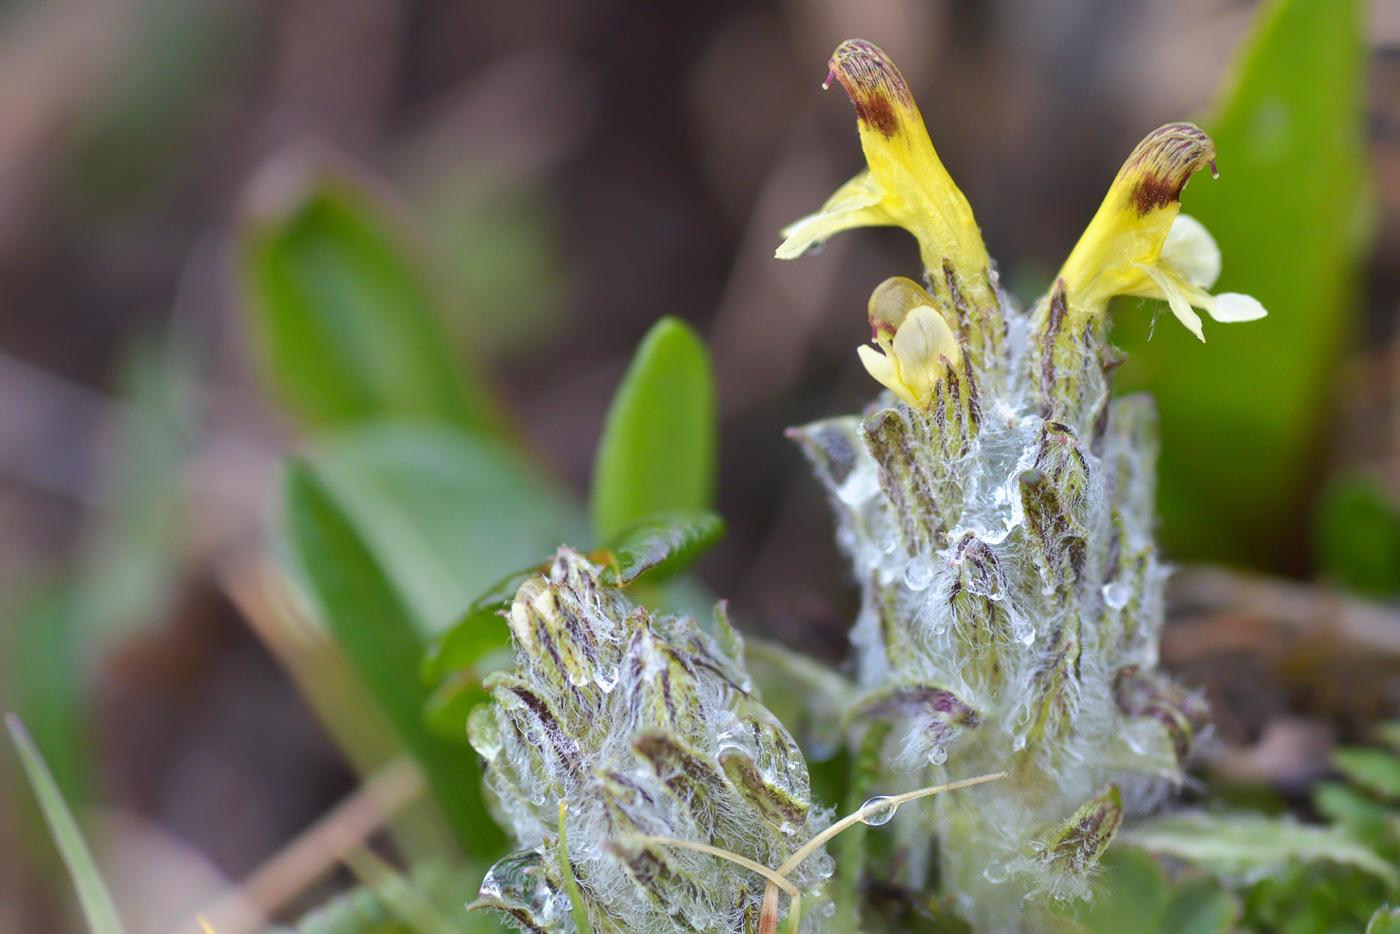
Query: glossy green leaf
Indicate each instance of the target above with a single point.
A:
(659, 547)
(371, 623)
(1246, 847)
(96, 900)
(1241, 415)
(349, 316)
(660, 443)
(1374, 770)
(445, 512)
(1357, 538)
(480, 630)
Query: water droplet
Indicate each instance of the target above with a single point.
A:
(918, 573)
(996, 872)
(1019, 742)
(1027, 637)
(828, 909)
(1117, 594)
(937, 755)
(940, 627)
(888, 541)
(606, 678)
(484, 731)
(880, 816)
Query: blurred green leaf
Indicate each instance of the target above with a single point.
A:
(96, 901)
(1363, 817)
(1242, 415)
(1314, 898)
(1374, 770)
(446, 513)
(1385, 921)
(369, 909)
(1136, 896)
(660, 443)
(372, 625)
(1200, 906)
(505, 248)
(1357, 538)
(349, 315)
(1246, 847)
(132, 566)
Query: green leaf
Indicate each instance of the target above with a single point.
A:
(660, 547)
(1200, 906)
(131, 567)
(96, 901)
(1367, 820)
(1288, 214)
(378, 907)
(1246, 847)
(446, 513)
(659, 445)
(372, 625)
(1136, 896)
(349, 316)
(1374, 770)
(1385, 921)
(480, 630)
(1358, 537)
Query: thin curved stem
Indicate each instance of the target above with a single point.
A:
(893, 801)
(773, 877)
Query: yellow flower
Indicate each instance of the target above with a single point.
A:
(905, 184)
(919, 344)
(1139, 244)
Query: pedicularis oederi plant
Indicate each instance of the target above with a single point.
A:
(996, 503)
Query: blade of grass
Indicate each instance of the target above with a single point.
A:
(93, 895)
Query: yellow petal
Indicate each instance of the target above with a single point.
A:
(1132, 225)
(855, 204)
(1191, 251)
(905, 185)
(918, 192)
(923, 348)
(1177, 295)
(891, 303)
(880, 366)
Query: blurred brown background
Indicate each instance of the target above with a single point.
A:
(585, 166)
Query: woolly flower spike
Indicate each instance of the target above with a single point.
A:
(918, 343)
(647, 729)
(1138, 244)
(906, 184)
